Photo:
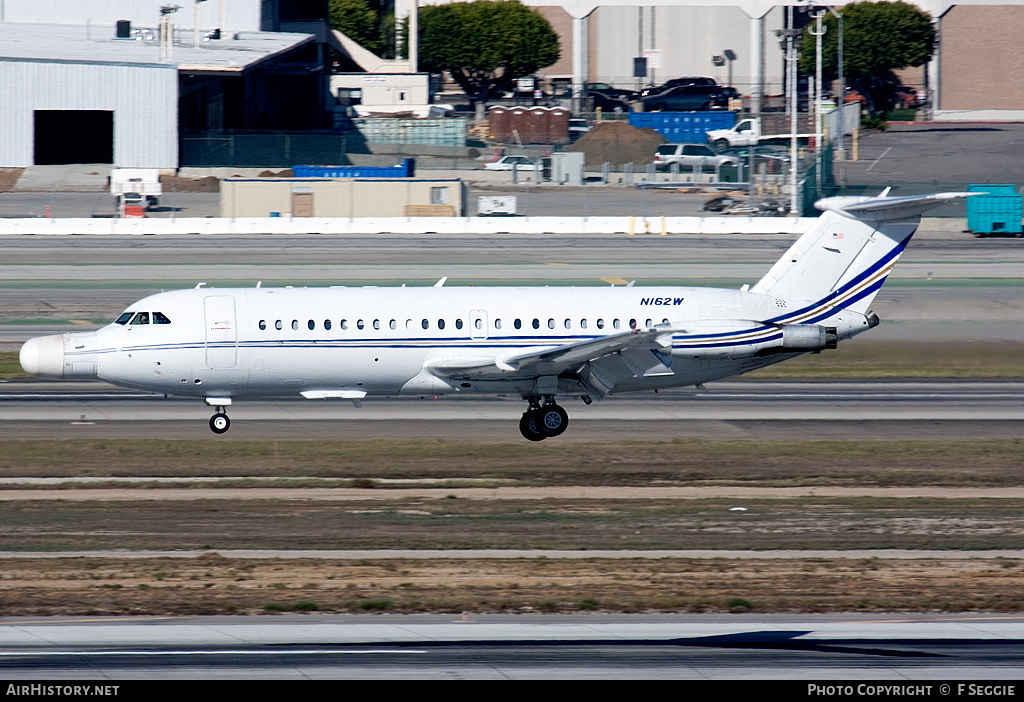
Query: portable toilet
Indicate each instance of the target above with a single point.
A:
(998, 210)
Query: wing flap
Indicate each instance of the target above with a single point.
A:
(552, 360)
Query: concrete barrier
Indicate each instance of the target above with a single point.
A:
(634, 225)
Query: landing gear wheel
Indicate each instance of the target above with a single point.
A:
(553, 419)
(530, 426)
(219, 423)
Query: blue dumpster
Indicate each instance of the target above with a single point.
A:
(998, 211)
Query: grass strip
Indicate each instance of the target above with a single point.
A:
(776, 463)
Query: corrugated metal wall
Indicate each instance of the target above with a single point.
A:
(144, 100)
(446, 131)
(239, 15)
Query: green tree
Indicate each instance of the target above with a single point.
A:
(485, 45)
(357, 20)
(878, 38)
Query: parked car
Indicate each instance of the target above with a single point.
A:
(684, 98)
(677, 82)
(725, 95)
(577, 128)
(690, 155)
(609, 98)
(507, 163)
(772, 160)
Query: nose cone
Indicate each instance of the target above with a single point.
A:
(43, 356)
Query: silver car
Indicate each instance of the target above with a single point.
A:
(690, 155)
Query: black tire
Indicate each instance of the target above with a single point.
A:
(219, 423)
(660, 107)
(721, 145)
(553, 420)
(530, 426)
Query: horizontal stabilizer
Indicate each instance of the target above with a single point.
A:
(887, 209)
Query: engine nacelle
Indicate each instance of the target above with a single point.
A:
(809, 337)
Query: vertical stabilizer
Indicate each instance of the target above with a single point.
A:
(841, 261)
(846, 255)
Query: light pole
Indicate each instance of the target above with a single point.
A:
(818, 32)
(195, 24)
(841, 99)
(791, 35)
(167, 31)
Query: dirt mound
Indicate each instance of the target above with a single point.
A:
(618, 143)
(177, 184)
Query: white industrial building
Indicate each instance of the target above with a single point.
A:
(977, 71)
(101, 87)
(72, 90)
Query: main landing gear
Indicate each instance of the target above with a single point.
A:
(540, 422)
(219, 423)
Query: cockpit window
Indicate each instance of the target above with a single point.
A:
(123, 319)
(160, 318)
(140, 318)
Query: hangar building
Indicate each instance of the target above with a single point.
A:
(101, 86)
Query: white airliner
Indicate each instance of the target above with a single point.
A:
(541, 344)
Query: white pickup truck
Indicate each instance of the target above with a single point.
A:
(746, 132)
(135, 186)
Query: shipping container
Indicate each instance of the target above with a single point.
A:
(406, 169)
(683, 127)
(998, 210)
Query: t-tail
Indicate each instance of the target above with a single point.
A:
(846, 255)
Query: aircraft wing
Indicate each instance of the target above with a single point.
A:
(552, 360)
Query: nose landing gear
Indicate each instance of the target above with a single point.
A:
(539, 422)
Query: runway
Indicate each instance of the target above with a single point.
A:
(907, 651)
(725, 410)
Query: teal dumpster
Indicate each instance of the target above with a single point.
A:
(998, 211)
